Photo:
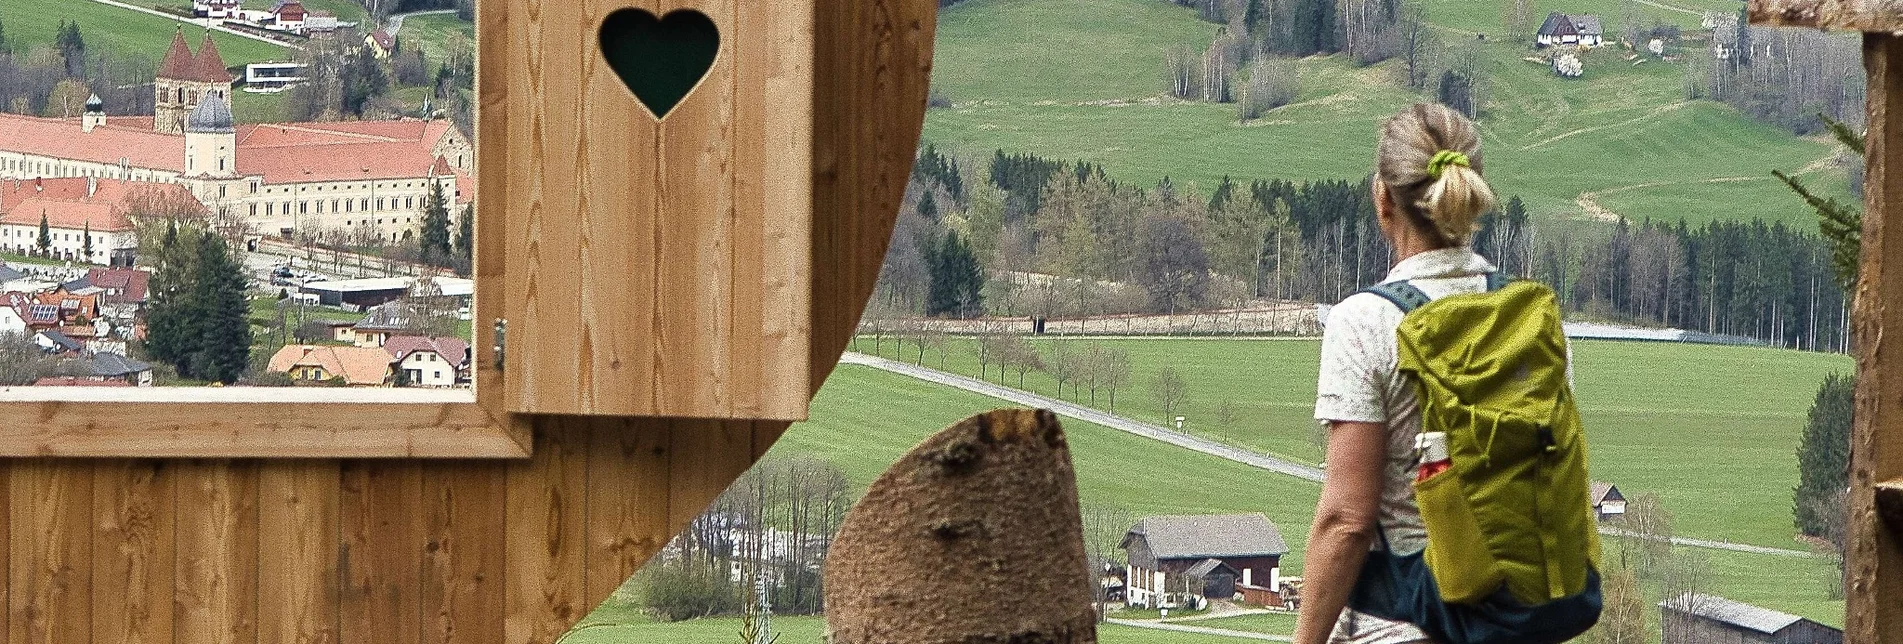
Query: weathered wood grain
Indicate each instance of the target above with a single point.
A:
(49, 573)
(1875, 560)
(216, 566)
(277, 430)
(1848, 15)
(132, 551)
(298, 592)
(382, 530)
(462, 572)
(628, 478)
(545, 591)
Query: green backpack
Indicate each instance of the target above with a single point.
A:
(1512, 546)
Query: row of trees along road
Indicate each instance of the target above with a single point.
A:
(1058, 239)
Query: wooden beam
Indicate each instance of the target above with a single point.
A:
(1890, 505)
(1875, 560)
(1845, 15)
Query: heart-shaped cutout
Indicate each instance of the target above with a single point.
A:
(660, 59)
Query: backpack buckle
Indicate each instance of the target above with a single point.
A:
(1547, 441)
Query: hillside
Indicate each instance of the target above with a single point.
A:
(105, 28)
(1035, 76)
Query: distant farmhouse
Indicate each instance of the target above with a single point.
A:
(1563, 30)
(1607, 501)
(1185, 560)
(1696, 618)
(360, 179)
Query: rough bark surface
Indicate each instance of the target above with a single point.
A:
(973, 537)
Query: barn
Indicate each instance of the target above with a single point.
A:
(1698, 618)
(1179, 559)
(1607, 501)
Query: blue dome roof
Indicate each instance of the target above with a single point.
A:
(211, 116)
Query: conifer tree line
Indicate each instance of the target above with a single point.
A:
(1059, 239)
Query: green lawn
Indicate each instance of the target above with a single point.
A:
(433, 33)
(809, 630)
(30, 23)
(1654, 413)
(1271, 623)
(1621, 131)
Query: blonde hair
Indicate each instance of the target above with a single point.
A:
(1451, 204)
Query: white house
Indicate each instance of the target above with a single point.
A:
(1563, 30)
(11, 322)
(268, 77)
(216, 9)
(428, 362)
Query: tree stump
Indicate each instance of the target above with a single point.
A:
(973, 537)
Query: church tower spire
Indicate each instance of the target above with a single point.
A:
(185, 80)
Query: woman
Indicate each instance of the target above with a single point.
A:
(1428, 193)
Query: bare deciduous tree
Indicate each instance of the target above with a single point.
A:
(1170, 389)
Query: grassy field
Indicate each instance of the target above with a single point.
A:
(864, 419)
(1622, 131)
(612, 626)
(32, 23)
(1654, 412)
(433, 34)
(1271, 623)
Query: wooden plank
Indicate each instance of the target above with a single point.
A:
(720, 452)
(1889, 505)
(628, 477)
(1875, 561)
(490, 266)
(772, 243)
(298, 594)
(132, 552)
(216, 600)
(380, 516)
(231, 430)
(1848, 15)
(545, 591)
(462, 574)
(7, 468)
(49, 573)
(874, 65)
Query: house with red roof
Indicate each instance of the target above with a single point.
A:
(429, 362)
(87, 220)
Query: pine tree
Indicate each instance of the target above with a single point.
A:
(224, 329)
(169, 320)
(86, 242)
(928, 207)
(435, 243)
(3, 39)
(1840, 223)
(1823, 455)
(73, 47)
(45, 241)
(466, 234)
(956, 279)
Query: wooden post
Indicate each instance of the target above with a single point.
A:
(1875, 559)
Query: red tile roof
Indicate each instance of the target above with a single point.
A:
(130, 283)
(63, 139)
(208, 66)
(101, 218)
(67, 205)
(452, 350)
(178, 61)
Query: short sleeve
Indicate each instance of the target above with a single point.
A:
(1357, 362)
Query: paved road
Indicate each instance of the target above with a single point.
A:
(194, 22)
(1212, 448)
(396, 22)
(1204, 630)
(1086, 414)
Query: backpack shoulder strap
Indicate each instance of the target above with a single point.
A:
(1402, 294)
(1497, 280)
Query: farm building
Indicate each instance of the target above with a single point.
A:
(1607, 501)
(1562, 30)
(1697, 618)
(1182, 559)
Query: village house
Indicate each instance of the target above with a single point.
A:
(11, 322)
(216, 9)
(429, 362)
(381, 43)
(287, 15)
(1697, 618)
(362, 179)
(1562, 30)
(357, 366)
(1607, 502)
(111, 366)
(1178, 560)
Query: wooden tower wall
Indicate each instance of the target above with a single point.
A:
(334, 551)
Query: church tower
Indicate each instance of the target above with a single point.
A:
(211, 141)
(95, 114)
(185, 80)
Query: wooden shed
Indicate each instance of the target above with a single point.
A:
(1160, 548)
(1697, 618)
(449, 521)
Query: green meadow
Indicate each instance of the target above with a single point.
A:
(33, 23)
(1655, 413)
(610, 625)
(1085, 79)
(433, 33)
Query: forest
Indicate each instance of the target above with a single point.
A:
(1062, 239)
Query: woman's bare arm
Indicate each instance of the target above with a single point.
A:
(1344, 525)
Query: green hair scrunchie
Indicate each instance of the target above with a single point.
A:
(1442, 159)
